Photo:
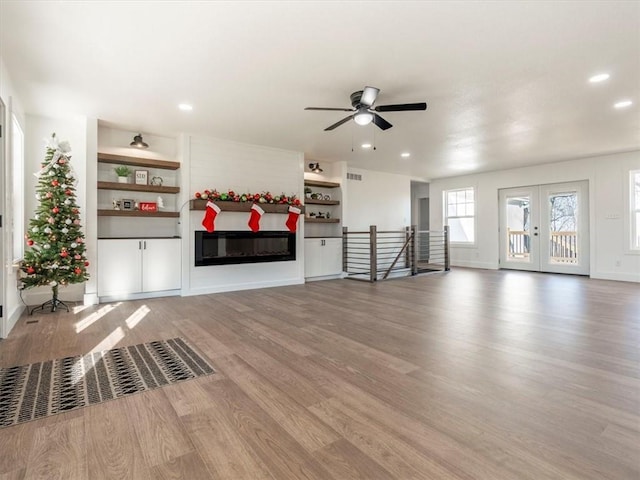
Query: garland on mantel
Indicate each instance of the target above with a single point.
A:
(264, 197)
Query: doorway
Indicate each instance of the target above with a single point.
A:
(545, 228)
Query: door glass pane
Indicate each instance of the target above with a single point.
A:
(563, 228)
(518, 226)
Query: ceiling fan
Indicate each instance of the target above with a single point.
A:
(362, 102)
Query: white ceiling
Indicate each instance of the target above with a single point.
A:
(506, 82)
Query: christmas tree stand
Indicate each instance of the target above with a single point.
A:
(54, 303)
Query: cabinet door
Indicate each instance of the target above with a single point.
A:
(161, 264)
(313, 250)
(119, 267)
(332, 256)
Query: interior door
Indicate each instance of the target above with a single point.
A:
(545, 228)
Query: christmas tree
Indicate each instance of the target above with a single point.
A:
(57, 249)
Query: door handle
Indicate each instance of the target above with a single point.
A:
(535, 234)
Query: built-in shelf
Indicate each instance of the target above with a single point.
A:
(132, 187)
(321, 220)
(319, 183)
(137, 161)
(314, 201)
(243, 206)
(136, 213)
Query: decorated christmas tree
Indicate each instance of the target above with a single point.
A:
(57, 249)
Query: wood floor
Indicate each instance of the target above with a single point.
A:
(462, 375)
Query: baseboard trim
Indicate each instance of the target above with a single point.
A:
(472, 264)
(241, 286)
(616, 276)
(12, 320)
(138, 296)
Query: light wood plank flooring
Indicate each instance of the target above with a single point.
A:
(462, 375)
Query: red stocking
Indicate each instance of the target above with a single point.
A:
(254, 219)
(210, 214)
(292, 221)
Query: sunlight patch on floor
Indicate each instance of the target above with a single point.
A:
(136, 316)
(95, 316)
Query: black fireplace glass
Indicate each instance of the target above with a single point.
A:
(233, 247)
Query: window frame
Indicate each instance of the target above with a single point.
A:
(446, 215)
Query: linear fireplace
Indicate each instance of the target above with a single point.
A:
(232, 247)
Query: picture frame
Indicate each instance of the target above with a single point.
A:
(128, 204)
(141, 177)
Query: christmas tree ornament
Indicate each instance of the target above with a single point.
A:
(211, 212)
(86, 264)
(254, 217)
(292, 219)
(54, 221)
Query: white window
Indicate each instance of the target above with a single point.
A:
(17, 190)
(634, 194)
(460, 215)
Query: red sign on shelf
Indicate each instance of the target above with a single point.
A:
(148, 206)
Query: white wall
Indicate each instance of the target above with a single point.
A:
(12, 304)
(223, 165)
(608, 209)
(382, 199)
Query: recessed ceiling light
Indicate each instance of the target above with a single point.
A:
(623, 104)
(601, 77)
(405, 154)
(366, 145)
(185, 107)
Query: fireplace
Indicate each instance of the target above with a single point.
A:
(233, 247)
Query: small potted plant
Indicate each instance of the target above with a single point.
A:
(123, 173)
(307, 192)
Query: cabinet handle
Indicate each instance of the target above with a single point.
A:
(139, 244)
(145, 244)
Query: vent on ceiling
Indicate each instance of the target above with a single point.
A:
(354, 176)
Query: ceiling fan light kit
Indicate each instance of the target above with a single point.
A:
(315, 167)
(362, 102)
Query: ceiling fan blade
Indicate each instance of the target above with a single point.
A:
(403, 107)
(331, 109)
(381, 122)
(369, 95)
(337, 124)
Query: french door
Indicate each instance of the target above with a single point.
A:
(545, 228)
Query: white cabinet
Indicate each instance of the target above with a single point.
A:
(132, 266)
(322, 257)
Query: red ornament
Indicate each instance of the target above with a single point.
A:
(31, 270)
(55, 209)
(67, 192)
(256, 196)
(198, 195)
(86, 264)
(236, 198)
(77, 256)
(61, 161)
(49, 195)
(77, 270)
(64, 254)
(55, 183)
(29, 242)
(75, 211)
(296, 202)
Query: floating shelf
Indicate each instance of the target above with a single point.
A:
(321, 220)
(137, 161)
(243, 206)
(318, 183)
(132, 187)
(310, 201)
(136, 213)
